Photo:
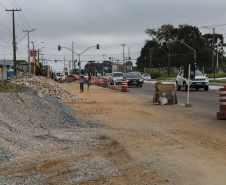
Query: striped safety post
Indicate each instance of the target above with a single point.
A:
(222, 113)
(124, 85)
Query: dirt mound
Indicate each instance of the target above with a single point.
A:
(13, 88)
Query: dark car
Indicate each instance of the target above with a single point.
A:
(134, 79)
(75, 77)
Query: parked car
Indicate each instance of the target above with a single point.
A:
(134, 79)
(146, 76)
(75, 77)
(200, 81)
(116, 77)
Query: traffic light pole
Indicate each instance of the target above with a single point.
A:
(191, 49)
(79, 54)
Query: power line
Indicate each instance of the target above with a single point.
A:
(213, 25)
(5, 27)
(12, 4)
(22, 21)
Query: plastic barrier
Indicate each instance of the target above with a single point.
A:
(124, 86)
(222, 113)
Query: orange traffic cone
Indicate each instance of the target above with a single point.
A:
(114, 85)
(61, 80)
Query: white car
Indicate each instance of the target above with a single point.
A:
(146, 76)
(116, 77)
(200, 81)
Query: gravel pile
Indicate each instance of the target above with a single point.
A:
(44, 85)
(34, 125)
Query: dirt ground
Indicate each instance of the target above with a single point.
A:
(154, 144)
(146, 143)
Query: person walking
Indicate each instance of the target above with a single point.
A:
(81, 80)
(89, 82)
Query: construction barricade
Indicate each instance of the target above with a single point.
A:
(124, 85)
(105, 82)
(167, 91)
(222, 113)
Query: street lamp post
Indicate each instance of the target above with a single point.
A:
(79, 54)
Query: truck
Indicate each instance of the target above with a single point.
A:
(119, 68)
(59, 74)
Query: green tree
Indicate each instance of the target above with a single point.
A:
(169, 39)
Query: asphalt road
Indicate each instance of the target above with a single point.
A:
(206, 101)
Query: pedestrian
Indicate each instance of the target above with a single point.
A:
(89, 82)
(210, 71)
(81, 80)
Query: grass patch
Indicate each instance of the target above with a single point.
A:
(217, 81)
(162, 78)
(217, 75)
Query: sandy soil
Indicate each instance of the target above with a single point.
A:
(154, 144)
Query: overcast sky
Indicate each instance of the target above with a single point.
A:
(107, 23)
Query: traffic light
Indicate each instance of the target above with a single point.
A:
(167, 40)
(98, 47)
(59, 48)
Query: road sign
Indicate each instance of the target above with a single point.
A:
(33, 52)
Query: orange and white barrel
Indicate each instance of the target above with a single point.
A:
(105, 82)
(222, 113)
(95, 80)
(124, 85)
(92, 80)
(100, 81)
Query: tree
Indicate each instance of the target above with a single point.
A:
(169, 39)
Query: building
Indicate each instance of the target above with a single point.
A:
(8, 63)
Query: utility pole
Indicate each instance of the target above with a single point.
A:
(14, 43)
(213, 62)
(151, 53)
(123, 53)
(73, 67)
(28, 48)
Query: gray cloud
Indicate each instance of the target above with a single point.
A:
(109, 23)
